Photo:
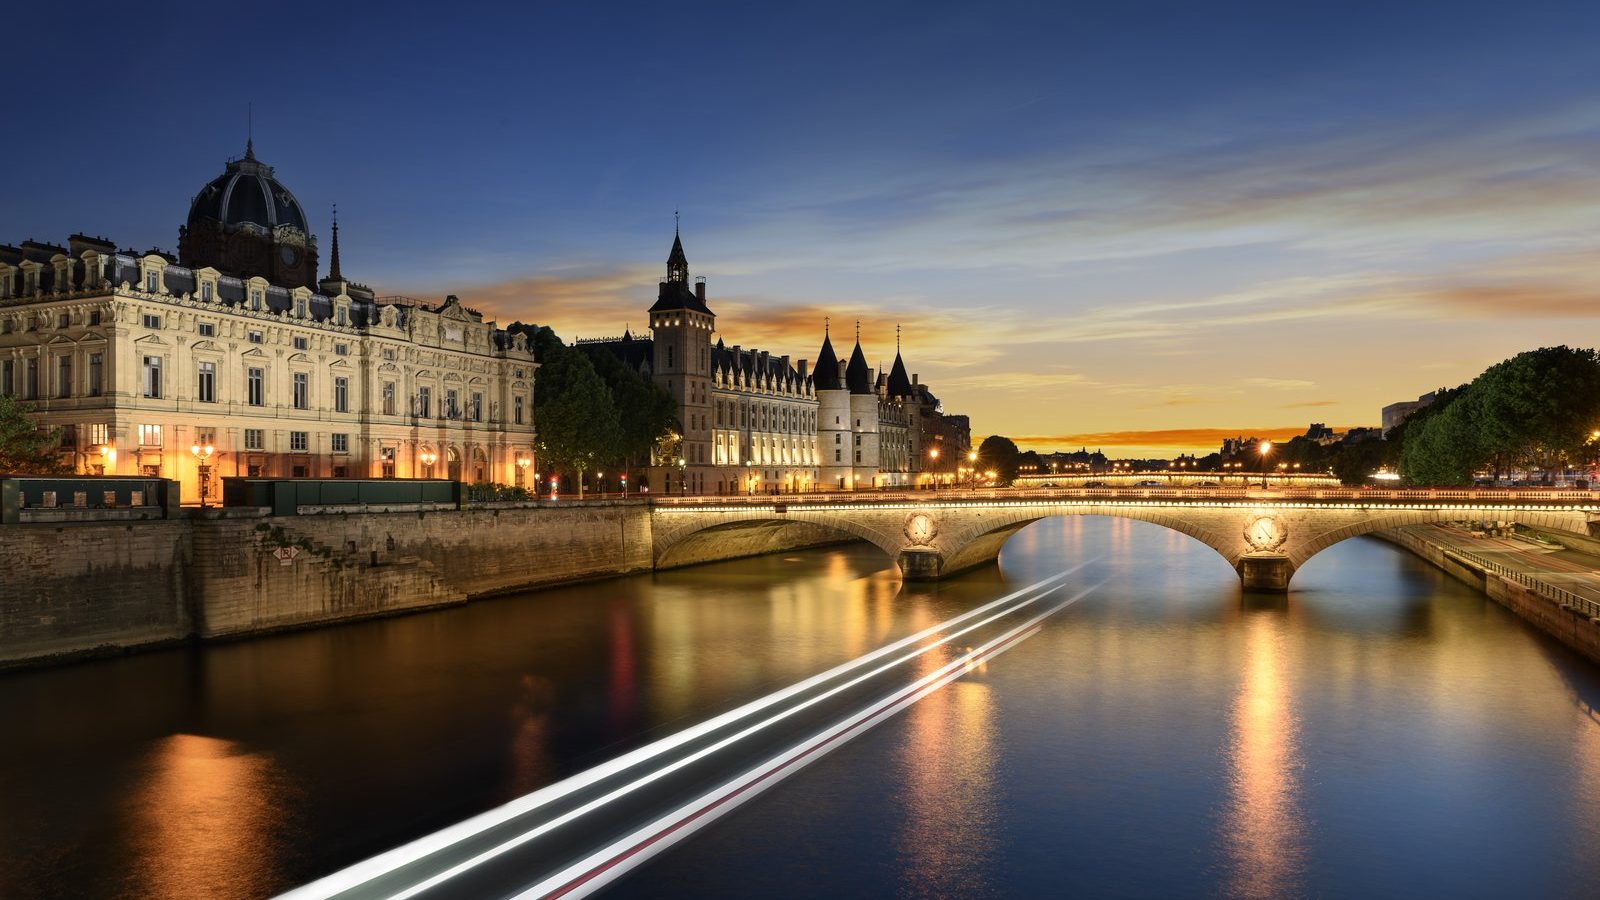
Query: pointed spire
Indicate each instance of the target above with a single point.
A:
(250, 132)
(677, 262)
(333, 265)
(826, 375)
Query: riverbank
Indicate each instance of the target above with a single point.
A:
(1556, 590)
(84, 589)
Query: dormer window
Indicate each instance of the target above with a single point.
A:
(300, 308)
(152, 281)
(340, 316)
(206, 293)
(255, 300)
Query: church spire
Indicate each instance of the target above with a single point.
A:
(333, 267)
(250, 132)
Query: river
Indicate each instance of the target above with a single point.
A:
(1382, 731)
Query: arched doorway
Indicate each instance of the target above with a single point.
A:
(453, 463)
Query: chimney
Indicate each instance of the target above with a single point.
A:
(700, 288)
(801, 368)
(914, 377)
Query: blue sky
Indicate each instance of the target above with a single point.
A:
(1137, 224)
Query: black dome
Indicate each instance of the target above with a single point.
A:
(247, 193)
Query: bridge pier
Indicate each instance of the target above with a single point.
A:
(920, 565)
(1265, 572)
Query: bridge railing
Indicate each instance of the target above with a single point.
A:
(1543, 588)
(1281, 493)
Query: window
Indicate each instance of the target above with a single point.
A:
(151, 321)
(388, 398)
(206, 291)
(340, 316)
(8, 378)
(836, 457)
(341, 395)
(301, 343)
(152, 377)
(255, 439)
(451, 411)
(205, 437)
(299, 308)
(424, 401)
(64, 321)
(152, 281)
(255, 387)
(208, 330)
(388, 353)
(341, 443)
(99, 433)
(302, 390)
(255, 301)
(149, 435)
(669, 357)
(94, 317)
(298, 441)
(341, 349)
(97, 365)
(519, 410)
(255, 337)
(477, 407)
(517, 372)
(206, 390)
(63, 376)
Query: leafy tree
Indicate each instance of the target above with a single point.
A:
(645, 411)
(577, 420)
(999, 455)
(25, 448)
(1539, 407)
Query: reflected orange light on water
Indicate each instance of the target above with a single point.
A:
(1263, 822)
(205, 818)
(948, 759)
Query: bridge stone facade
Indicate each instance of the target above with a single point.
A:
(1264, 539)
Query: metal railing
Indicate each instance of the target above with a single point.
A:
(1543, 588)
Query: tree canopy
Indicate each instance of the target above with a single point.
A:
(25, 447)
(999, 454)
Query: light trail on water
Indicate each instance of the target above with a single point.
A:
(362, 879)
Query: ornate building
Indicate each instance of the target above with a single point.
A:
(755, 422)
(138, 358)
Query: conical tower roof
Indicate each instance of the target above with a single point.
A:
(899, 381)
(856, 375)
(826, 376)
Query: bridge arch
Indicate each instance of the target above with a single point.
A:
(705, 536)
(980, 543)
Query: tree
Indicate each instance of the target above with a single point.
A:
(999, 455)
(577, 421)
(645, 411)
(25, 447)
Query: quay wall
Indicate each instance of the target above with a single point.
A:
(72, 589)
(1572, 627)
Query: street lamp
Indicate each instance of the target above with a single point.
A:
(933, 454)
(202, 454)
(427, 458)
(1266, 448)
(522, 469)
(108, 459)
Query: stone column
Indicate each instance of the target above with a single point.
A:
(920, 565)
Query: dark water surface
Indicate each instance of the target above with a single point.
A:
(1383, 731)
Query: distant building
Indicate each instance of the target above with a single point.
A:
(1396, 413)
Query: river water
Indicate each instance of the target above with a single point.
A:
(1381, 732)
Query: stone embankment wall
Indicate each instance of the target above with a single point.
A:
(77, 588)
(1571, 627)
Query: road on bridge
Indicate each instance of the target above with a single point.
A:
(573, 837)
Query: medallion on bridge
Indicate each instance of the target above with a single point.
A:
(921, 529)
(1265, 533)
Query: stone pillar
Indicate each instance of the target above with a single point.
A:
(920, 565)
(1265, 572)
(1592, 523)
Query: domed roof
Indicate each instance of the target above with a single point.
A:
(247, 193)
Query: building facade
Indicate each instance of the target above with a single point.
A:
(140, 361)
(755, 422)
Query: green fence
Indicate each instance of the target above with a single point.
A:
(284, 496)
(19, 492)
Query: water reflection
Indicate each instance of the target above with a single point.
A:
(949, 837)
(1263, 825)
(201, 819)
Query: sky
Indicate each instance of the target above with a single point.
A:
(1138, 226)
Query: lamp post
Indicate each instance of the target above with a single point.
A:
(683, 477)
(427, 458)
(623, 478)
(522, 470)
(972, 469)
(202, 455)
(1266, 449)
(933, 454)
(108, 459)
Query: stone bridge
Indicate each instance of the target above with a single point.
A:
(1265, 535)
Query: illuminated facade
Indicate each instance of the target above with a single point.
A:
(138, 359)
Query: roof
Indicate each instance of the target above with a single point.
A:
(899, 381)
(826, 377)
(247, 193)
(752, 364)
(857, 376)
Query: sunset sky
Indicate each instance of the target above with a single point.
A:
(1140, 226)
